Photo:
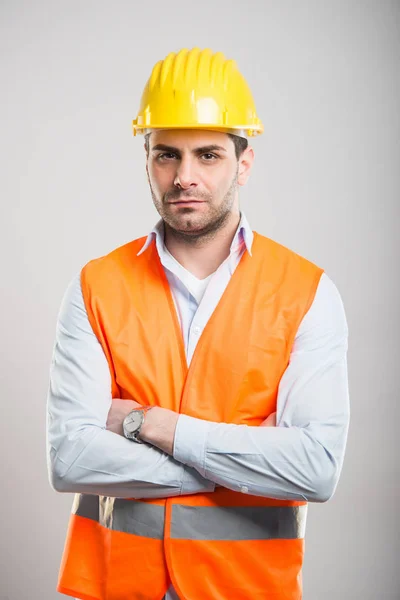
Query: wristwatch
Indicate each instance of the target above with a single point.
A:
(133, 423)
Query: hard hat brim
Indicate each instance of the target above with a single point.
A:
(240, 130)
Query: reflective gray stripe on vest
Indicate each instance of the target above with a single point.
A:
(128, 516)
(238, 522)
(194, 522)
(86, 506)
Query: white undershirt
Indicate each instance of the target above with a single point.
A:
(196, 287)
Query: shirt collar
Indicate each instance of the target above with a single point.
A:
(244, 234)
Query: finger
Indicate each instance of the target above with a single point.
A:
(124, 402)
(136, 404)
(270, 421)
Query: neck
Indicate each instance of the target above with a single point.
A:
(203, 255)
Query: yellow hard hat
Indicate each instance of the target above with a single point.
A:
(195, 89)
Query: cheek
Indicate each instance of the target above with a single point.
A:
(161, 179)
(219, 188)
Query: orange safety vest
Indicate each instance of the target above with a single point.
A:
(220, 545)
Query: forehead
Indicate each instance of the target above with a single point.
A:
(190, 138)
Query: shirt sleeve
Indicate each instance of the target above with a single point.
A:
(301, 457)
(82, 456)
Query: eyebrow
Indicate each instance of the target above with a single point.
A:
(200, 150)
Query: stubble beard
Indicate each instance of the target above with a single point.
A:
(213, 222)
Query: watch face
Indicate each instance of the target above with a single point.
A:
(134, 421)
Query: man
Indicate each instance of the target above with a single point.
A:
(198, 392)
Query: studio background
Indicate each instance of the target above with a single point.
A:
(325, 182)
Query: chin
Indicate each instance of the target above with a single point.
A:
(188, 229)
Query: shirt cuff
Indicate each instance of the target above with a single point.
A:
(190, 442)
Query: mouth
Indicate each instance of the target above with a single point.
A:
(182, 200)
(188, 202)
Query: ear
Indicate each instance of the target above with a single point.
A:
(245, 164)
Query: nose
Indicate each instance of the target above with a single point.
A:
(185, 174)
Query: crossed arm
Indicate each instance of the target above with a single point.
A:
(300, 458)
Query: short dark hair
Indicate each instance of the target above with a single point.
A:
(240, 143)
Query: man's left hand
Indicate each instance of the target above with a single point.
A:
(117, 413)
(158, 428)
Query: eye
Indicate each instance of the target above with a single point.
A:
(164, 155)
(209, 154)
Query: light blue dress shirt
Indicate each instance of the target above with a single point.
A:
(300, 459)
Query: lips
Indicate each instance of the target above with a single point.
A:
(186, 201)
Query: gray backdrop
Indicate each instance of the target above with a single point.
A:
(325, 182)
